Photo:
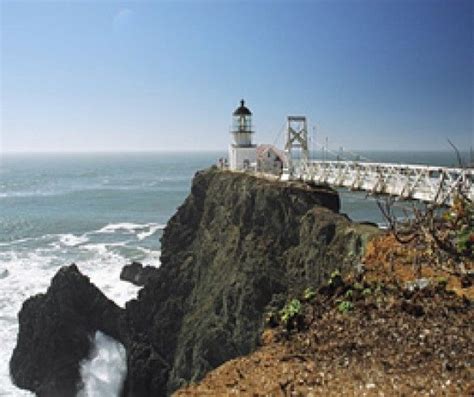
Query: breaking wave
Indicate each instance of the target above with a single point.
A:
(103, 373)
(141, 231)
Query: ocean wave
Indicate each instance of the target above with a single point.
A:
(104, 371)
(70, 240)
(31, 193)
(153, 229)
(142, 231)
(127, 226)
(20, 241)
(150, 256)
(103, 248)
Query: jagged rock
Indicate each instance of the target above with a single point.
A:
(237, 245)
(55, 333)
(137, 274)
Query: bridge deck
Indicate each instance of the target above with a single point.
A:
(426, 183)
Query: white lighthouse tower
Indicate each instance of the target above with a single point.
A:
(242, 153)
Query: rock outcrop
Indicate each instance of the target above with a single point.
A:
(237, 246)
(137, 274)
(55, 333)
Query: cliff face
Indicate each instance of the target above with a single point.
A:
(237, 245)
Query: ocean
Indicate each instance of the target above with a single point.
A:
(102, 211)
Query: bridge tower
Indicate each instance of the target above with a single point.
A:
(296, 141)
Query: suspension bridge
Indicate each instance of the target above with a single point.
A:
(432, 184)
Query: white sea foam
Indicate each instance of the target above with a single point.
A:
(99, 248)
(31, 193)
(126, 226)
(4, 273)
(153, 228)
(151, 258)
(71, 240)
(142, 231)
(26, 239)
(104, 371)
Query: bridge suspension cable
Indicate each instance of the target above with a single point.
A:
(279, 134)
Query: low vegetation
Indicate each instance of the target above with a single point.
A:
(435, 235)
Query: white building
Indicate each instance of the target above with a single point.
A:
(242, 153)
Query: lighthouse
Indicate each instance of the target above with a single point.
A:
(242, 153)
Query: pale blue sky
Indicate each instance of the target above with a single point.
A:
(105, 75)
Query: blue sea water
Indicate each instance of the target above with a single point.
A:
(102, 211)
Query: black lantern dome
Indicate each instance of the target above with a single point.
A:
(242, 110)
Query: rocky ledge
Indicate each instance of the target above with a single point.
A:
(137, 274)
(238, 246)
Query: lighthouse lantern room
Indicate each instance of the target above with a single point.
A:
(242, 153)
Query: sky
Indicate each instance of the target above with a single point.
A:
(166, 75)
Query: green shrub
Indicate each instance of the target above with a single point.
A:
(335, 279)
(464, 240)
(291, 310)
(309, 294)
(442, 281)
(366, 292)
(345, 306)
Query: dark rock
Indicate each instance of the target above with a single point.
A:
(137, 274)
(55, 333)
(235, 244)
(467, 280)
(447, 366)
(413, 309)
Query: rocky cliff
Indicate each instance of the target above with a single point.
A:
(236, 247)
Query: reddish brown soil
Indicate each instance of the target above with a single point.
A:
(388, 261)
(392, 343)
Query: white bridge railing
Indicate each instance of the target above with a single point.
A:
(426, 183)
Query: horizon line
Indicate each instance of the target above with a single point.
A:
(172, 150)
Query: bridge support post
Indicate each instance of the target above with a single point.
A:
(296, 139)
